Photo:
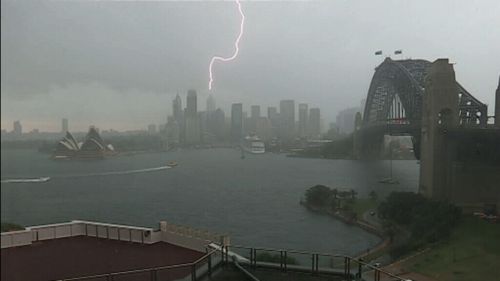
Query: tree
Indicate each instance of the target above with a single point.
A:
(373, 195)
(318, 195)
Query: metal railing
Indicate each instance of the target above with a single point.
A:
(193, 271)
(308, 262)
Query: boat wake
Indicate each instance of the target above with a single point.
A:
(31, 180)
(127, 172)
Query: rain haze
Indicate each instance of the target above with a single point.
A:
(118, 64)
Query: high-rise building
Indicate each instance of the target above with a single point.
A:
(191, 104)
(64, 125)
(314, 123)
(303, 120)
(345, 120)
(192, 120)
(18, 129)
(273, 116)
(219, 124)
(254, 117)
(177, 108)
(255, 111)
(236, 122)
(272, 113)
(210, 104)
(287, 117)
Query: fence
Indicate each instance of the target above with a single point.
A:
(308, 262)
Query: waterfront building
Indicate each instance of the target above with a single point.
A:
(315, 123)
(236, 122)
(92, 147)
(64, 125)
(303, 120)
(287, 117)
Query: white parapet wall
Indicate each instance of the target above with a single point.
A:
(174, 234)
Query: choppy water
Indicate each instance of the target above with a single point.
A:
(255, 200)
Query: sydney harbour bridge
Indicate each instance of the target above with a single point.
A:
(457, 143)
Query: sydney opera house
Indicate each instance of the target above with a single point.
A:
(92, 147)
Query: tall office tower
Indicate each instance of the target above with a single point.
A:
(177, 108)
(18, 129)
(303, 120)
(273, 116)
(272, 113)
(191, 104)
(236, 122)
(254, 117)
(255, 112)
(192, 122)
(314, 123)
(287, 117)
(210, 104)
(345, 120)
(64, 126)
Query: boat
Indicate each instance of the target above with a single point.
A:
(253, 145)
(30, 180)
(389, 181)
(172, 164)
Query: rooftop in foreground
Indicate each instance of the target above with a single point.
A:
(82, 255)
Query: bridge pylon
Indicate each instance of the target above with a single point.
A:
(439, 114)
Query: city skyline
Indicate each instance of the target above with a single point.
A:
(52, 69)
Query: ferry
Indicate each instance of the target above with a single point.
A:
(172, 164)
(253, 144)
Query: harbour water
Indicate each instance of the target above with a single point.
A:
(254, 200)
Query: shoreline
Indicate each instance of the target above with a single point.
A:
(364, 225)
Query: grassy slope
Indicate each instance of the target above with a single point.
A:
(472, 253)
(361, 205)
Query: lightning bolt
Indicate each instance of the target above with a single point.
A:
(236, 47)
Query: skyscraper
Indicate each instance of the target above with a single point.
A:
(210, 104)
(314, 123)
(287, 117)
(177, 108)
(236, 122)
(64, 126)
(303, 120)
(192, 120)
(255, 111)
(191, 104)
(18, 129)
(273, 116)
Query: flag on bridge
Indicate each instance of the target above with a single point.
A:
(378, 53)
(398, 52)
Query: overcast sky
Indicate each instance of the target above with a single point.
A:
(119, 64)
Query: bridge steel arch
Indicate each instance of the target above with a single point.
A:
(406, 80)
